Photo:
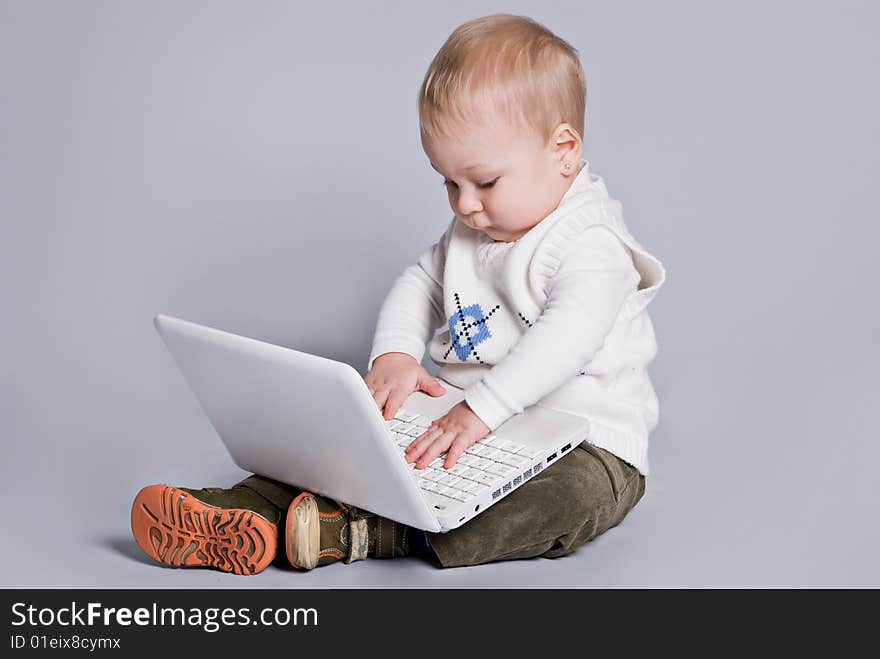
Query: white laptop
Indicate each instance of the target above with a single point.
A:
(311, 422)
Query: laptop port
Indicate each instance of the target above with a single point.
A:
(477, 508)
(551, 457)
(565, 448)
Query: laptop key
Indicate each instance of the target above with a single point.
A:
(433, 474)
(445, 477)
(513, 460)
(405, 416)
(488, 479)
(479, 489)
(469, 472)
(422, 421)
(454, 481)
(469, 486)
(481, 463)
(451, 492)
(501, 469)
(493, 454)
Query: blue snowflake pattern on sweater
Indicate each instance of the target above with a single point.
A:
(468, 328)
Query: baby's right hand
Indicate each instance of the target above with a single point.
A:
(394, 376)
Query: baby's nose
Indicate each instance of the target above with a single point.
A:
(468, 206)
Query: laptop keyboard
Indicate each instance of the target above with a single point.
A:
(490, 464)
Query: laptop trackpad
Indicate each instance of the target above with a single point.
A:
(433, 407)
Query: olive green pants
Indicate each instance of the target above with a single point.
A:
(567, 504)
(582, 495)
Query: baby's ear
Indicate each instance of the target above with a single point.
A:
(567, 146)
(564, 133)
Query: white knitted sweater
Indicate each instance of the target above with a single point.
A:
(556, 318)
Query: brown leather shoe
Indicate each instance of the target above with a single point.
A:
(320, 530)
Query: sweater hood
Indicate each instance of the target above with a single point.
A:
(587, 204)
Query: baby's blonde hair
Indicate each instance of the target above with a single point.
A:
(508, 63)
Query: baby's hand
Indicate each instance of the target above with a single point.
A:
(455, 432)
(394, 376)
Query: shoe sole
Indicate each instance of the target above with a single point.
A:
(303, 537)
(173, 527)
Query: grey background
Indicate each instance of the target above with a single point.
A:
(257, 167)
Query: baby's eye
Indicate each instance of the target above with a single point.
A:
(481, 185)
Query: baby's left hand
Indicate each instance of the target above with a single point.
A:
(455, 432)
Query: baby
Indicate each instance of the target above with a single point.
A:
(541, 294)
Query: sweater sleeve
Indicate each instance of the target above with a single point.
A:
(413, 308)
(583, 300)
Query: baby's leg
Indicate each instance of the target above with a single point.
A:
(571, 502)
(233, 530)
(318, 530)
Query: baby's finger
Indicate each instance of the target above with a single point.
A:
(459, 445)
(380, 395)
(432, 452)
(420, 443)
(395, 400)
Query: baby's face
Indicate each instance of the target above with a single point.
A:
(501, 179)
